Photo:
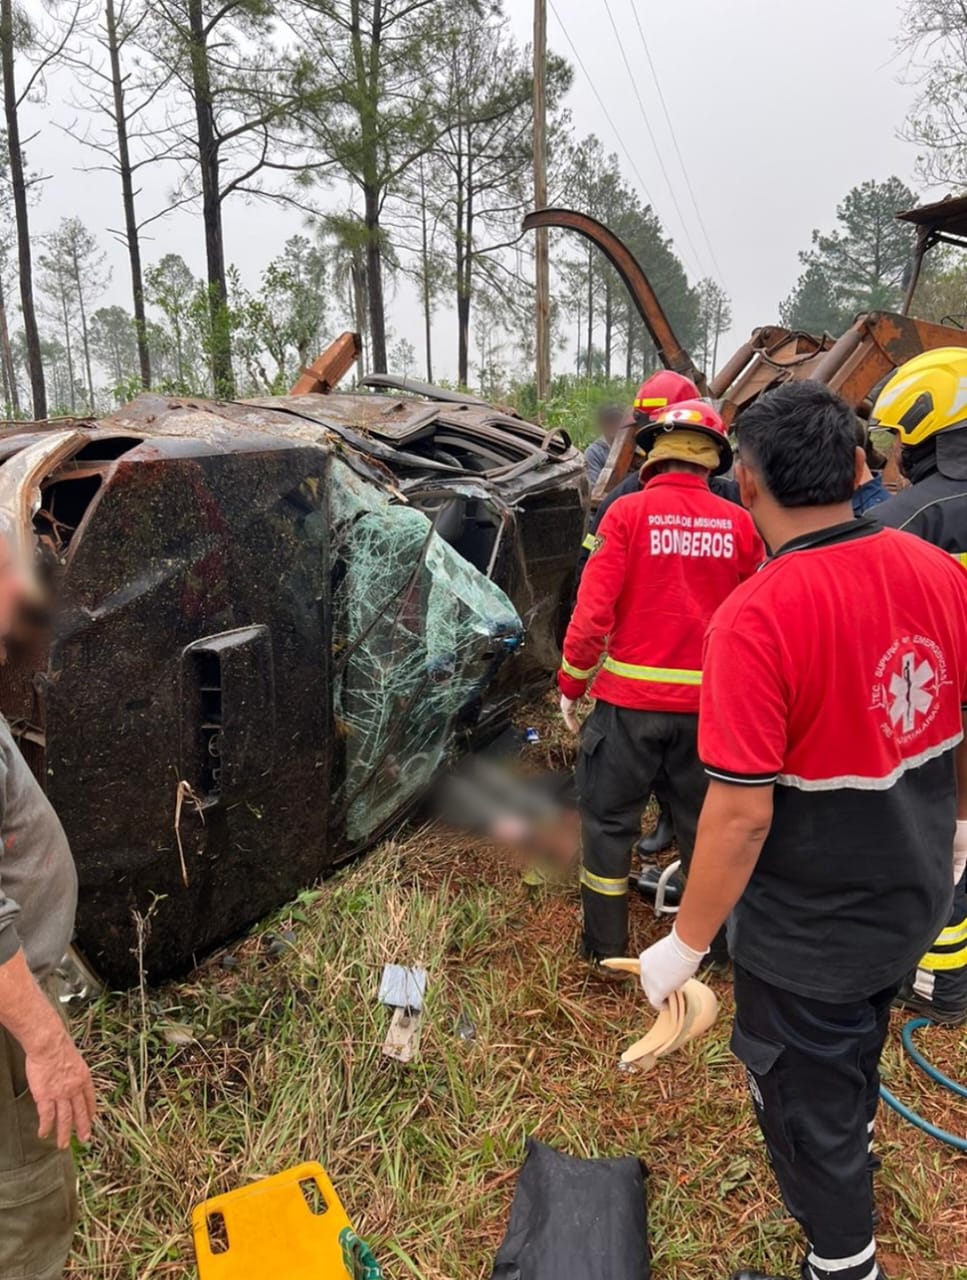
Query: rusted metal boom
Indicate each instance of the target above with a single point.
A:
(326, 370)
(673, 355)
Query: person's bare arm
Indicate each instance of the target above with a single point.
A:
(731, 832)
(57, 1075)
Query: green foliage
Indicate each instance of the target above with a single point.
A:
(859, 265)
(114, 344)
(812, 307)
(177, 354)
(573, 402)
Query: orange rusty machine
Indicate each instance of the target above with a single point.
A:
(854, 364)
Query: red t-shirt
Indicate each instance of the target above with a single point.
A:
(838, 674)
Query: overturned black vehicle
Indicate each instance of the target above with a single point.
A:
(263, 629)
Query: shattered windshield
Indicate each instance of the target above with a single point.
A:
(417, 635)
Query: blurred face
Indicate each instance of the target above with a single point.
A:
(610, 424)
(12, 586)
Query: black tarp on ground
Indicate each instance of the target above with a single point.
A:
(576, 1220)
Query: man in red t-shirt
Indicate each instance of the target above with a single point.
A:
(664, 559)
(834, 743)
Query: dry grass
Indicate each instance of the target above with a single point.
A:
(284, 1066)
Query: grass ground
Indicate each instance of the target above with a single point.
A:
(242, 1071)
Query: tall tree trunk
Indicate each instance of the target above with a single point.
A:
(366, 68)
(374, 282)
(68, 350)
(18, 183)
(131, 236)
(359, 301)
(208, 162)
(608, 326)
(630, 347)
(465, 285)
(11, 390)
(85, 337)
(463, 333)
(427, 293)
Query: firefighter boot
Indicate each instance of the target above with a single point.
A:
(662, 836)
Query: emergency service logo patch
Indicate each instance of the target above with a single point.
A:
(908, 681)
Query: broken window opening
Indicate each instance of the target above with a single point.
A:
(470, 525)
(68, 493)
(417, 631)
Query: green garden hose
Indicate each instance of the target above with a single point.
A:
(960, 1144)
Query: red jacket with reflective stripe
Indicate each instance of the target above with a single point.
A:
(665, 559)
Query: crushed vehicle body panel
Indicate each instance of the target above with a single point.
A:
(260, 645)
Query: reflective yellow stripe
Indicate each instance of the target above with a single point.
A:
(951, 960)
(961, 556)
(590, 542)
(600, 884)
(953, 933)
(656, 675)
(576, 672)
(653, 403)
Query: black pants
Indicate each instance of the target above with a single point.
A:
(813, 1073)
(622, 751)
(940, 980)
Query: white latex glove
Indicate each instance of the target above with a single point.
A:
(666, 967)
(960, 849)
(568, 708)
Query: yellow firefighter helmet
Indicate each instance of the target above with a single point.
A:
(926, 395)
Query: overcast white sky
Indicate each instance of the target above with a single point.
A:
(779, 108)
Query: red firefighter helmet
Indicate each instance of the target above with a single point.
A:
(691, 415)
(661, 390)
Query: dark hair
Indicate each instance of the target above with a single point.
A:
(801, 439)
(610, 412)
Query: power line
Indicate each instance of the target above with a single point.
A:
(594, 89)
(651, 134)
(674, 138)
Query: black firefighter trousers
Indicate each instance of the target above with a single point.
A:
(813, 1071)
(621, 753)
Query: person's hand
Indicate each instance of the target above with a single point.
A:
(61, 1085)
(666, 967)
(960, 850)
(568, 709)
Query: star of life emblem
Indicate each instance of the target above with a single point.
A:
(907, 686)
(911, 691)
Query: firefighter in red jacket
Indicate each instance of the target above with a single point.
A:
(664, 560)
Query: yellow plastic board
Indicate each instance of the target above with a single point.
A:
(286, 1227)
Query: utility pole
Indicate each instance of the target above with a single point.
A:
(542, 266)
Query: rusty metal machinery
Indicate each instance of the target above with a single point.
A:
(853, 365)
(671, 352)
